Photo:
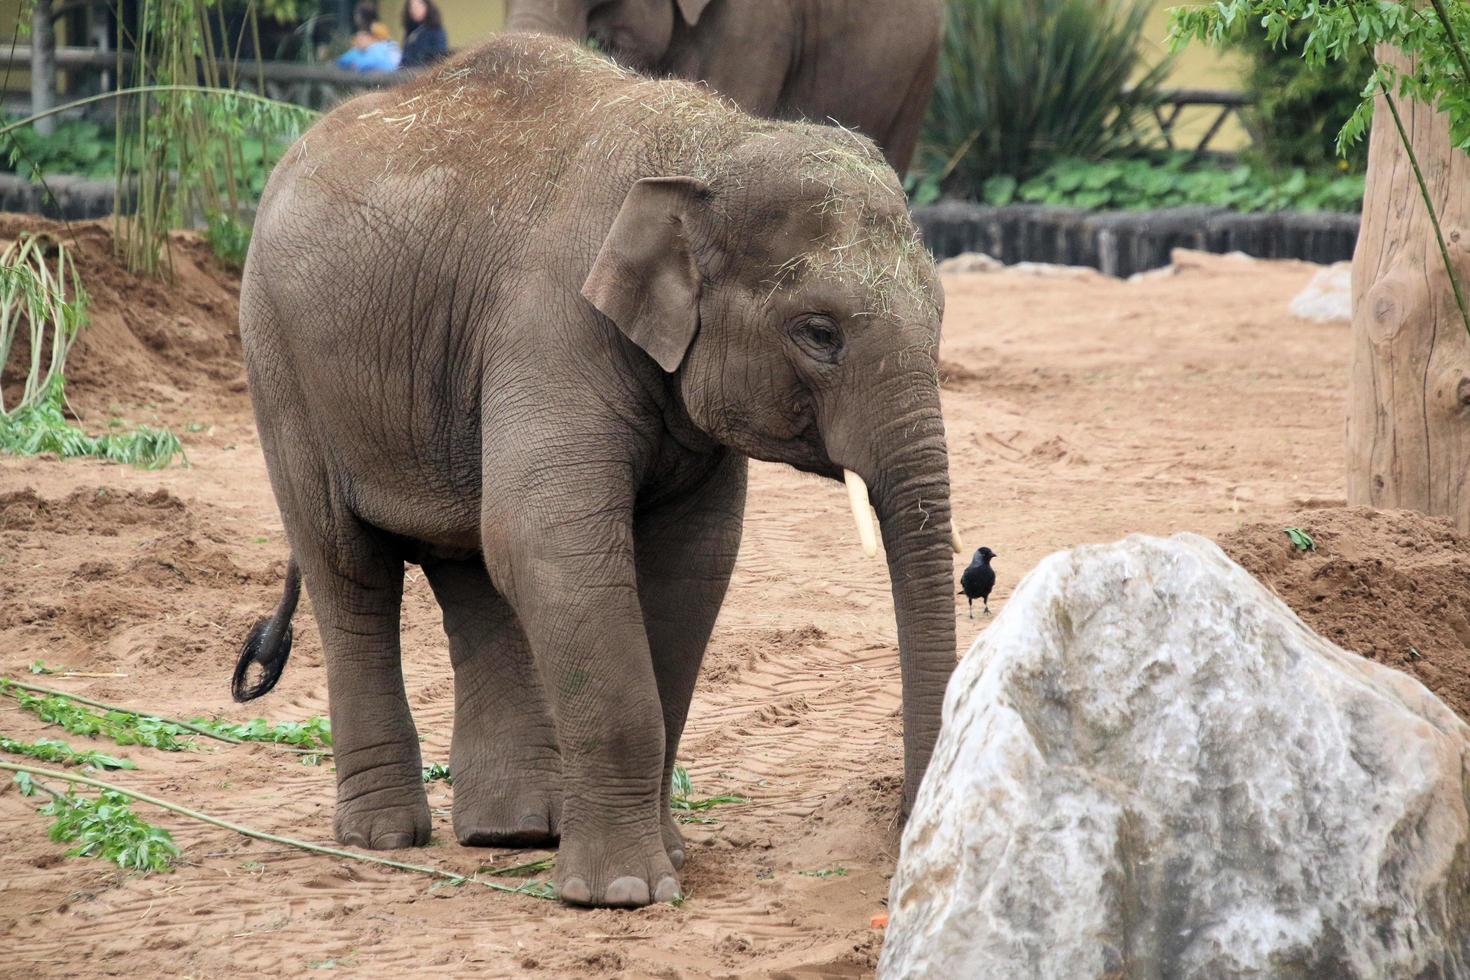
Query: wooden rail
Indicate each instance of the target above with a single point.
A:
(320, 85)
(1174, 101)
(311, 85)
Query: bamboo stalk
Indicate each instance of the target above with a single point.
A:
(262, 835)
(148, 89)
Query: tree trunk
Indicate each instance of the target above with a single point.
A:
(1408, 427)
(43, 65)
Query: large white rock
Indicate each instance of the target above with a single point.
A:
(1328, 298)
(1149, 767)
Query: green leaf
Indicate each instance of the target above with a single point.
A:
(999, 190)
(1300, 539)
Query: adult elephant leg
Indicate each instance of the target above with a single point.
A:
(356, 589)
(507, 771)
(685, 552)
(567, 568)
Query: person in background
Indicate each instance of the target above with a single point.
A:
(364, 16)
(424, 40)
(373, 47)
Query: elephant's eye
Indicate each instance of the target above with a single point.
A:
(818, 338)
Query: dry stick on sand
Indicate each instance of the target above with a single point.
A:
(187, 725)
(273, 838)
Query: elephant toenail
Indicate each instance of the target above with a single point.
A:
(535, 823)
(667, 890)
(575, 890)
(627, 890)
(676, 858)
(392, 842)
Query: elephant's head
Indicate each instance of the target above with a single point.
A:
(635, 32)
(786, 293)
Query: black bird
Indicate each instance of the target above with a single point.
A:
(978, 580)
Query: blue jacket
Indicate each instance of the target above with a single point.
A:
(378, 56)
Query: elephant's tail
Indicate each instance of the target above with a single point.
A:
(269, 643)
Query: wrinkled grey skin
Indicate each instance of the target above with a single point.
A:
(520, 321)
(867, 64)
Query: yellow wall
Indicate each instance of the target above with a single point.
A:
(1197, 66)
(467, 22)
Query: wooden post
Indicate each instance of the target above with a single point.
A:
(1408, 425)
(43, 65)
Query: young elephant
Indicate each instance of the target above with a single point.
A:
(521, 321)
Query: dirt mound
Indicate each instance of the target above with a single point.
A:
(90, 510)
(148, 341)
(1390, 585)
(124, 579)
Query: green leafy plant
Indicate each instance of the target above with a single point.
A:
(1437, 38)
(105, 827)
(1022, 84)
(228, 239)
(1300, 540)
(121, 727)
(55, 750)
(1297, 109)
(313, 733)
(1172, 180)
(40, 667)
(438, 771)
(689, 810)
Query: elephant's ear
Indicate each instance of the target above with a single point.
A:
(691, 9)
(646, 278)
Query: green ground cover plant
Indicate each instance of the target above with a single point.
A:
(1173, 181)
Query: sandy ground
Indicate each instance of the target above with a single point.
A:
(1078, 409)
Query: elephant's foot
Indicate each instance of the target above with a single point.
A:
(673, 840)
(522, 813)
(380, 823)
(598, 869)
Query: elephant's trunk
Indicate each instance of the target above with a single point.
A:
(910, 490)
(562, 18)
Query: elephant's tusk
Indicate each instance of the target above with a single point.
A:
(955, 541)
(862, 512)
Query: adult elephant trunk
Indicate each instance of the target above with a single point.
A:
(561, 18)
(907, 469)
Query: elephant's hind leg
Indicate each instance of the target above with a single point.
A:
(504, 759)
(356, 588)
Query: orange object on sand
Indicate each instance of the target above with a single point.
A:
(879, 921)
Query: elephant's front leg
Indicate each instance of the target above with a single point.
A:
(571, 579)
(686, 553)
